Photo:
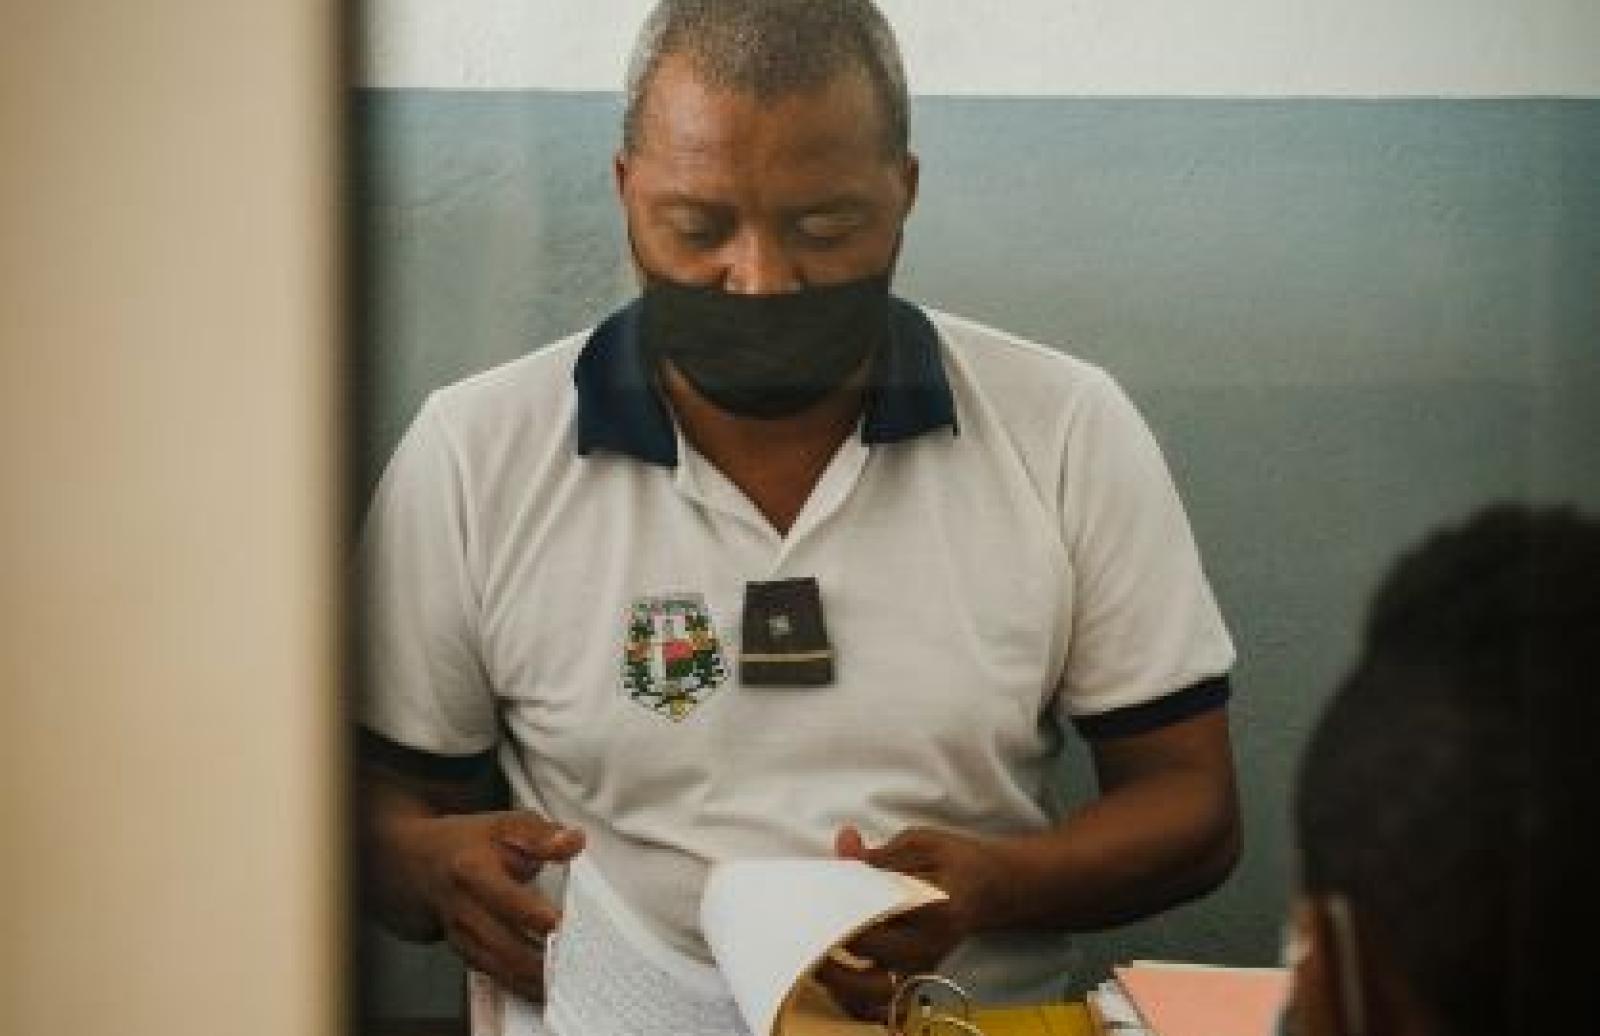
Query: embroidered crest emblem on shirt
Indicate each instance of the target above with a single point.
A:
(671, 660)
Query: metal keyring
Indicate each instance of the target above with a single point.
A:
(899, 1007)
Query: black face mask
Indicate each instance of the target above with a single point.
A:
(765, 356)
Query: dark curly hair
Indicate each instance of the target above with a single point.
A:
(1449, 783)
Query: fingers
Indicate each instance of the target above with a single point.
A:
(910, 943)
(915, 851)
(916, 940)
(530, 841)
(849, 844)
(516, 905)
(487, 945)
(495, 920)
(864, 994)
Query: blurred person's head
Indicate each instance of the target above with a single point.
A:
(1447, 789)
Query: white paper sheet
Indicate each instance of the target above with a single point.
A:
(768, 922)
(609, 975)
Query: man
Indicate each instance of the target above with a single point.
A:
(771, 562)
(1440, 804)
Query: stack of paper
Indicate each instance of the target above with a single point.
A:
(1111, 1013)
(767, 924)
(1166, 998)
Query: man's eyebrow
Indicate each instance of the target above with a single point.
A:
(847, 203)
(838, 203)
(680, 199)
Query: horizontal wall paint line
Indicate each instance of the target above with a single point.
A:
(1262, 242)
(1050, 48)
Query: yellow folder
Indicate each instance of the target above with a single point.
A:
(1037, 1020)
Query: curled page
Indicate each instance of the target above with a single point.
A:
(769, 922)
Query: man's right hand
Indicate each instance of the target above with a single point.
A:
(472, 872)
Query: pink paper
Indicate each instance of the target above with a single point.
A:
(1198, 1001)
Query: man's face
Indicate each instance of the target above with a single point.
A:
(758, 198)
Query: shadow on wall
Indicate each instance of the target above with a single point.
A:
(1346, 321)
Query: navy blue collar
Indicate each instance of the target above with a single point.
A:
(620, 410)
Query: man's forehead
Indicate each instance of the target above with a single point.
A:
(821, 198)
(717, 179)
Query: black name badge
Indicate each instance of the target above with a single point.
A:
(785, 641)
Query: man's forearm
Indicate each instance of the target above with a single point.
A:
(394, 895)
(1143, 847)
(401, 791)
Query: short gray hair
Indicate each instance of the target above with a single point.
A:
(771, 49)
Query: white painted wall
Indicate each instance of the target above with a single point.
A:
(1243, 48)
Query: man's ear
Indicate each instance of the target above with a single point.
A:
(1313, 1001)
(910, 178)
(1327, 994)
(1364, 990)
(619, 174)
(1339, 963)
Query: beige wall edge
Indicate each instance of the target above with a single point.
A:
(168, 430)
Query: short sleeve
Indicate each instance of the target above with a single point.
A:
(425, 684)
(1145, 624)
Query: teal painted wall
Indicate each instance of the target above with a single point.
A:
(1347, 321)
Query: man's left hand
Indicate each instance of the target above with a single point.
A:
(966, 869)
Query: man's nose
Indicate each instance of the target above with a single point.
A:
(760, 265)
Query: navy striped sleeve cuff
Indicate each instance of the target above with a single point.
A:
(1164, 711)
(414, 762)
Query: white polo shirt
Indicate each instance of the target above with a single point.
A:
(555, 573)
